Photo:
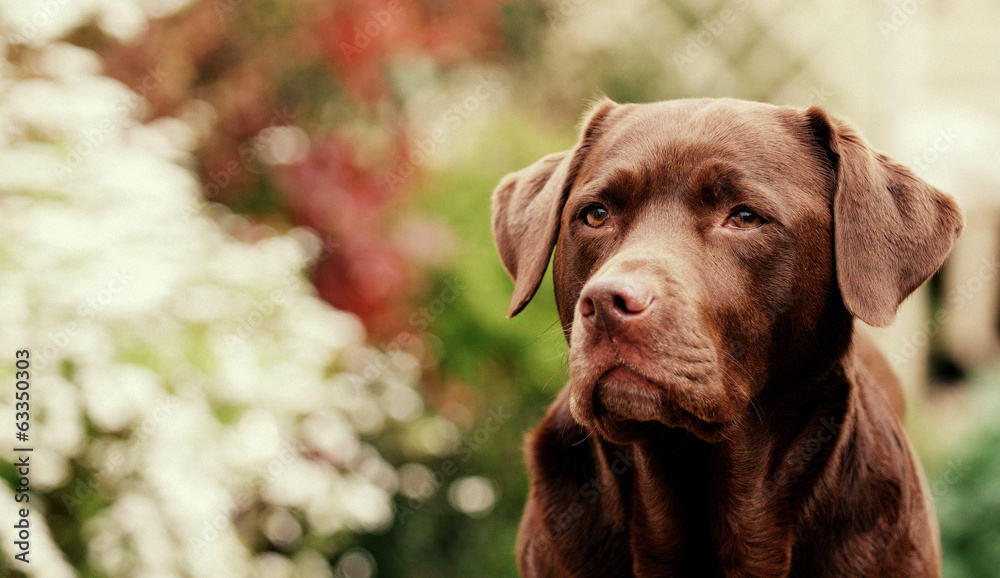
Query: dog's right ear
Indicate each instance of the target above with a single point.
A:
(527, 206)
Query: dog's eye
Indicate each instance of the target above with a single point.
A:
(595, 216)
(744, 218)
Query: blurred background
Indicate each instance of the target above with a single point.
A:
(247, 244)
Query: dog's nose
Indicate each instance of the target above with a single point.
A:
(613, 301)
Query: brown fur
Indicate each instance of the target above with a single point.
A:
(722, 415)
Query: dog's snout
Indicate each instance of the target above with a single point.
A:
(614, 301)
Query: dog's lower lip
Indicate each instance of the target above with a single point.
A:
(623, 392)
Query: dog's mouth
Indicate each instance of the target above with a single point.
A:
(624, 394)
(624, 400)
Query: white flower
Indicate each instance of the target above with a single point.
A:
(184, 377)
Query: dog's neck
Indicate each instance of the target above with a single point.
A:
(735, 493)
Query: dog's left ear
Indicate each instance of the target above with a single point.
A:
(892, 230)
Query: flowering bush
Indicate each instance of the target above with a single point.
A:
(306, 114)
(195, 409)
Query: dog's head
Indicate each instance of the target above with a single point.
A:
(707, 252)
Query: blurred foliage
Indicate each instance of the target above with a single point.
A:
(344, 71)
(195, 409)
(965, 482)
(516, 366)
(355, 105)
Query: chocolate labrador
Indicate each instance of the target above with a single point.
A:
(722, 416)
